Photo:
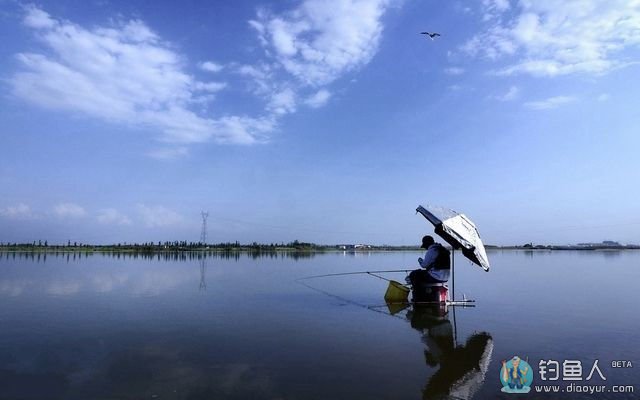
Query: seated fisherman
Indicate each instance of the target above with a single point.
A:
(436, 264)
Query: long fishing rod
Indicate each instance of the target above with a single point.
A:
(356, 273)
(355, 303)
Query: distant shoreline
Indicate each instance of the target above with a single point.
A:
(564, 248)
(274, 249)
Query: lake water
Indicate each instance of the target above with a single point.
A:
(241, 327)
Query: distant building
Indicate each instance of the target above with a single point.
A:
(604, 243)
(353, 246)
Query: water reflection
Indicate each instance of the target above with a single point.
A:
(461, 368)
(611, 253)
(203, 274)
(127, 368)
(160, 256)
(132, 326)
(607, 253)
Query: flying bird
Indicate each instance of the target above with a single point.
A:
(431, 35)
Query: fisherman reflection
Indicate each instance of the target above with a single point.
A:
(461, 367)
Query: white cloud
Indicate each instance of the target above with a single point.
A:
(317, 42)
(126, 74)
(69, 210)
(159, 216)
(111, 216)
(247, 129)
(500, 5)
(210, 86)
(283, 102)
(511, 94)
(123, 74)
(318, 99)
(19, 211)
(262, 78)
(551, 102)
(454, 71)
(604, 97)
(37, 18)
(558, 37)
(311, 46)
(493, 8)
(211, 66)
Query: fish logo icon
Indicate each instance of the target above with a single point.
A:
(516, 376)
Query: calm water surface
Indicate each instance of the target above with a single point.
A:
(108, 327)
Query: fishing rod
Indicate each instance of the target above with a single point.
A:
(355, 303)
(357, 273)
(463, 303)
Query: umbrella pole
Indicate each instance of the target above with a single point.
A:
(453, 276)
(455, 328)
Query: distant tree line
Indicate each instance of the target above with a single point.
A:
(177, 245)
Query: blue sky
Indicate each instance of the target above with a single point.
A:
(318, 121)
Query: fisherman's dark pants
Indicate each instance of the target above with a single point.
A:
(421, 276)
(420, 280)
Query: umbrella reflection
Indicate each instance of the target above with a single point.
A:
(461, 368)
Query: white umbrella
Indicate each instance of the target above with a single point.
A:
(459, 231)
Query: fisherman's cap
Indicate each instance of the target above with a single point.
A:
(427, 241)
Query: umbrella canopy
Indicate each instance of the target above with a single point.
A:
(459, 231)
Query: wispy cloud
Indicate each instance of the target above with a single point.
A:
(69, 210)
(493, 8)
(558, 37)
(551, 102)
(111, 216)
(211, 66)
(18, 211)
(125, 74)
(454, 71)
(283, 102)
(318, 99)
(512, 94)
(159, 216)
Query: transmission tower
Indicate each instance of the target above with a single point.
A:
(203, 234)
